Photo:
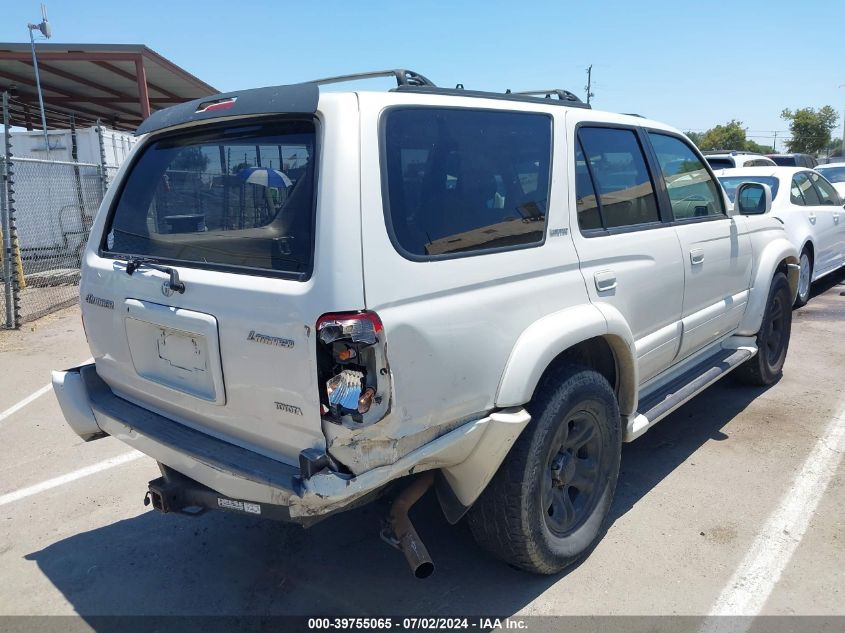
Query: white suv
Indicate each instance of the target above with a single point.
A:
(298, 301)
(720, 159)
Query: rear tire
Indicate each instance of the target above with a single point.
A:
(805, 279)
(547, 506)
(766, 367)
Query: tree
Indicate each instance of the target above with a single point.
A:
(810, 128)
(728, 136)
(751, 146)
(190, 159)
(695, 137)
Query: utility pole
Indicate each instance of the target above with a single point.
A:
(842, 151)
(590, 95)
(775, 143)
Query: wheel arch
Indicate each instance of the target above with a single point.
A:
(591, 335)
(779, 255)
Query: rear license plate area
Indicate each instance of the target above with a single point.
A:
(175, 348)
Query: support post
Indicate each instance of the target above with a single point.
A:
(77, 178)
(143, 93)
(104, 178)
(7, 226)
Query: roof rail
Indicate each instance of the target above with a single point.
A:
(403, 76)
(560, 93)
(732, 152)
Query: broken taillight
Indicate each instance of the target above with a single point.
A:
(354, 379)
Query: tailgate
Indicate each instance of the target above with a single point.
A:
(234, 212)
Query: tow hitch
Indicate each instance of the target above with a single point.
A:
(174, 492)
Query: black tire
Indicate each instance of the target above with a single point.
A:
(523, 516)
(766, 367)
(804, 286)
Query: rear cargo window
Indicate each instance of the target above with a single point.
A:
(461, 180)
(240, 197)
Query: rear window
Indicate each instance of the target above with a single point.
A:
(462, 181)
(239, 197)
(730, 183)
(720, 163)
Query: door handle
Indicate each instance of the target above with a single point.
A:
(812, 218)
(605, 280)
(696, 256)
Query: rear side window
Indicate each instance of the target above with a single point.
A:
(826, 192)
(692, 192)
(232, 198)
(803, 192)
(460, 180)
(617, 167)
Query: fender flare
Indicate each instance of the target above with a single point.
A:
(545, 339)
(775, 252)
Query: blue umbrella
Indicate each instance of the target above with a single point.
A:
(265, 177)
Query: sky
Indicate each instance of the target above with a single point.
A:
(689, 64)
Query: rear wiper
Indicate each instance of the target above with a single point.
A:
(135, 263)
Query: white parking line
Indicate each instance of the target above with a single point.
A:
(20, 405)
(17, 495)
(32, 397)
(752, 583)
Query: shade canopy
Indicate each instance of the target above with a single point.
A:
(120, 84)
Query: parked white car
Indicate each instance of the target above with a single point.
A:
(811, 211)
(835, 175)
(733, 159)
(483, 292)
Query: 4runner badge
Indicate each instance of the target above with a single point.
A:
(558, 232)
(99, 302)
(269, 340)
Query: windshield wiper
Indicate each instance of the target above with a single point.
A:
(135, 263)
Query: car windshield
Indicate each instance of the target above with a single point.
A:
(833, 174)
(730, 183)
(240, 197)
(721, 163)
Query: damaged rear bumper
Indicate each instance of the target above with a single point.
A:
(468, 456)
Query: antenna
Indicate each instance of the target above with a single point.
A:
(44, 26)
(590, 95)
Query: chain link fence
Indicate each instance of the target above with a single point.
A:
(47, 207)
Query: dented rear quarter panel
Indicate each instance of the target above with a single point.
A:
(451, 325)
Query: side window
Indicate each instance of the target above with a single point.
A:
(462, 180)
(586, 202)
(803, 192)
(619, 176)
(826, 192)
(691, 189)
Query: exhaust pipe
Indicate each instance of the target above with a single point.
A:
(400, 532)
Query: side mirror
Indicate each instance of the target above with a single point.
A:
(753, 198)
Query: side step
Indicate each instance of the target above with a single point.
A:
(656, 406)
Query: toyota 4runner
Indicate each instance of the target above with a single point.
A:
(298, 301)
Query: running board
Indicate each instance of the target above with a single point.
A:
(696, 379)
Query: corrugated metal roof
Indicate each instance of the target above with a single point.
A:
(93, 81)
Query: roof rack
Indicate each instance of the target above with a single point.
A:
(502, 96)
(403, 76)
(560, 93)
(732, 152)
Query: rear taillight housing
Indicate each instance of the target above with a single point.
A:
(354, 377)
